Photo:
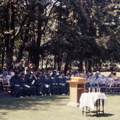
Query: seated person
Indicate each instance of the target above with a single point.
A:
(102, 80)
(62, 83)
(39, 84)
(90, 81)
(26, 87)
(47, 85)
(16, 86)
(54, 86)
(32, 83)
(110, 80)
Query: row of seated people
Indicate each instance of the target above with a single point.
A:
(30, 84)
(31, 78)
(107, 84)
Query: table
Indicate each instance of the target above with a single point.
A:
(91, 101)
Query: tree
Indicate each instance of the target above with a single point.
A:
(11, 27)
(86, 31)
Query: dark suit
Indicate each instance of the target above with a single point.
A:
(16, 83)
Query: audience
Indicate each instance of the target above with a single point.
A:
(27, 81)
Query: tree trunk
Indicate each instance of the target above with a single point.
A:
(42, 64)
(89, 65)
(100, 65)
(67, 64)
(25, 39)
(10, 26)
(9, 51)
(46, 63)
(59, 66)
(55, 62)
(86, 64)
(59, 62)
(80, 67)
(37, 52)
(20, 53)
(2, 61)
(3, 53)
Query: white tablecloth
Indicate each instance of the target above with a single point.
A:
(89, 99)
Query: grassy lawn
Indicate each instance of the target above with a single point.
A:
(53, 108)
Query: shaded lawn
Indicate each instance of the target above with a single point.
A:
(53, 108)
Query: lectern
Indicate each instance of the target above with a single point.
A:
(77, 87)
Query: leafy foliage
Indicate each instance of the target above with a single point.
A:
(72, 30)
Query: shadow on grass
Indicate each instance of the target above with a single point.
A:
(101, 115)
(31, 103)
(3, 113)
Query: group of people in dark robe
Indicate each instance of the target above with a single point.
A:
(32, 83)
(29, 81)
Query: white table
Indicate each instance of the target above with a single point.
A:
(90, 99)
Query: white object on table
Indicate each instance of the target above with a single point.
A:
(89, 99)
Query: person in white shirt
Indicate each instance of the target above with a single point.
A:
(12, 72)
(110, 80)
(91, 81)
(8, 77)
(102, 80)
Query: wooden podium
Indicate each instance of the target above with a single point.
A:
(77, 87)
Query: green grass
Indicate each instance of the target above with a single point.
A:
(53, 108)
